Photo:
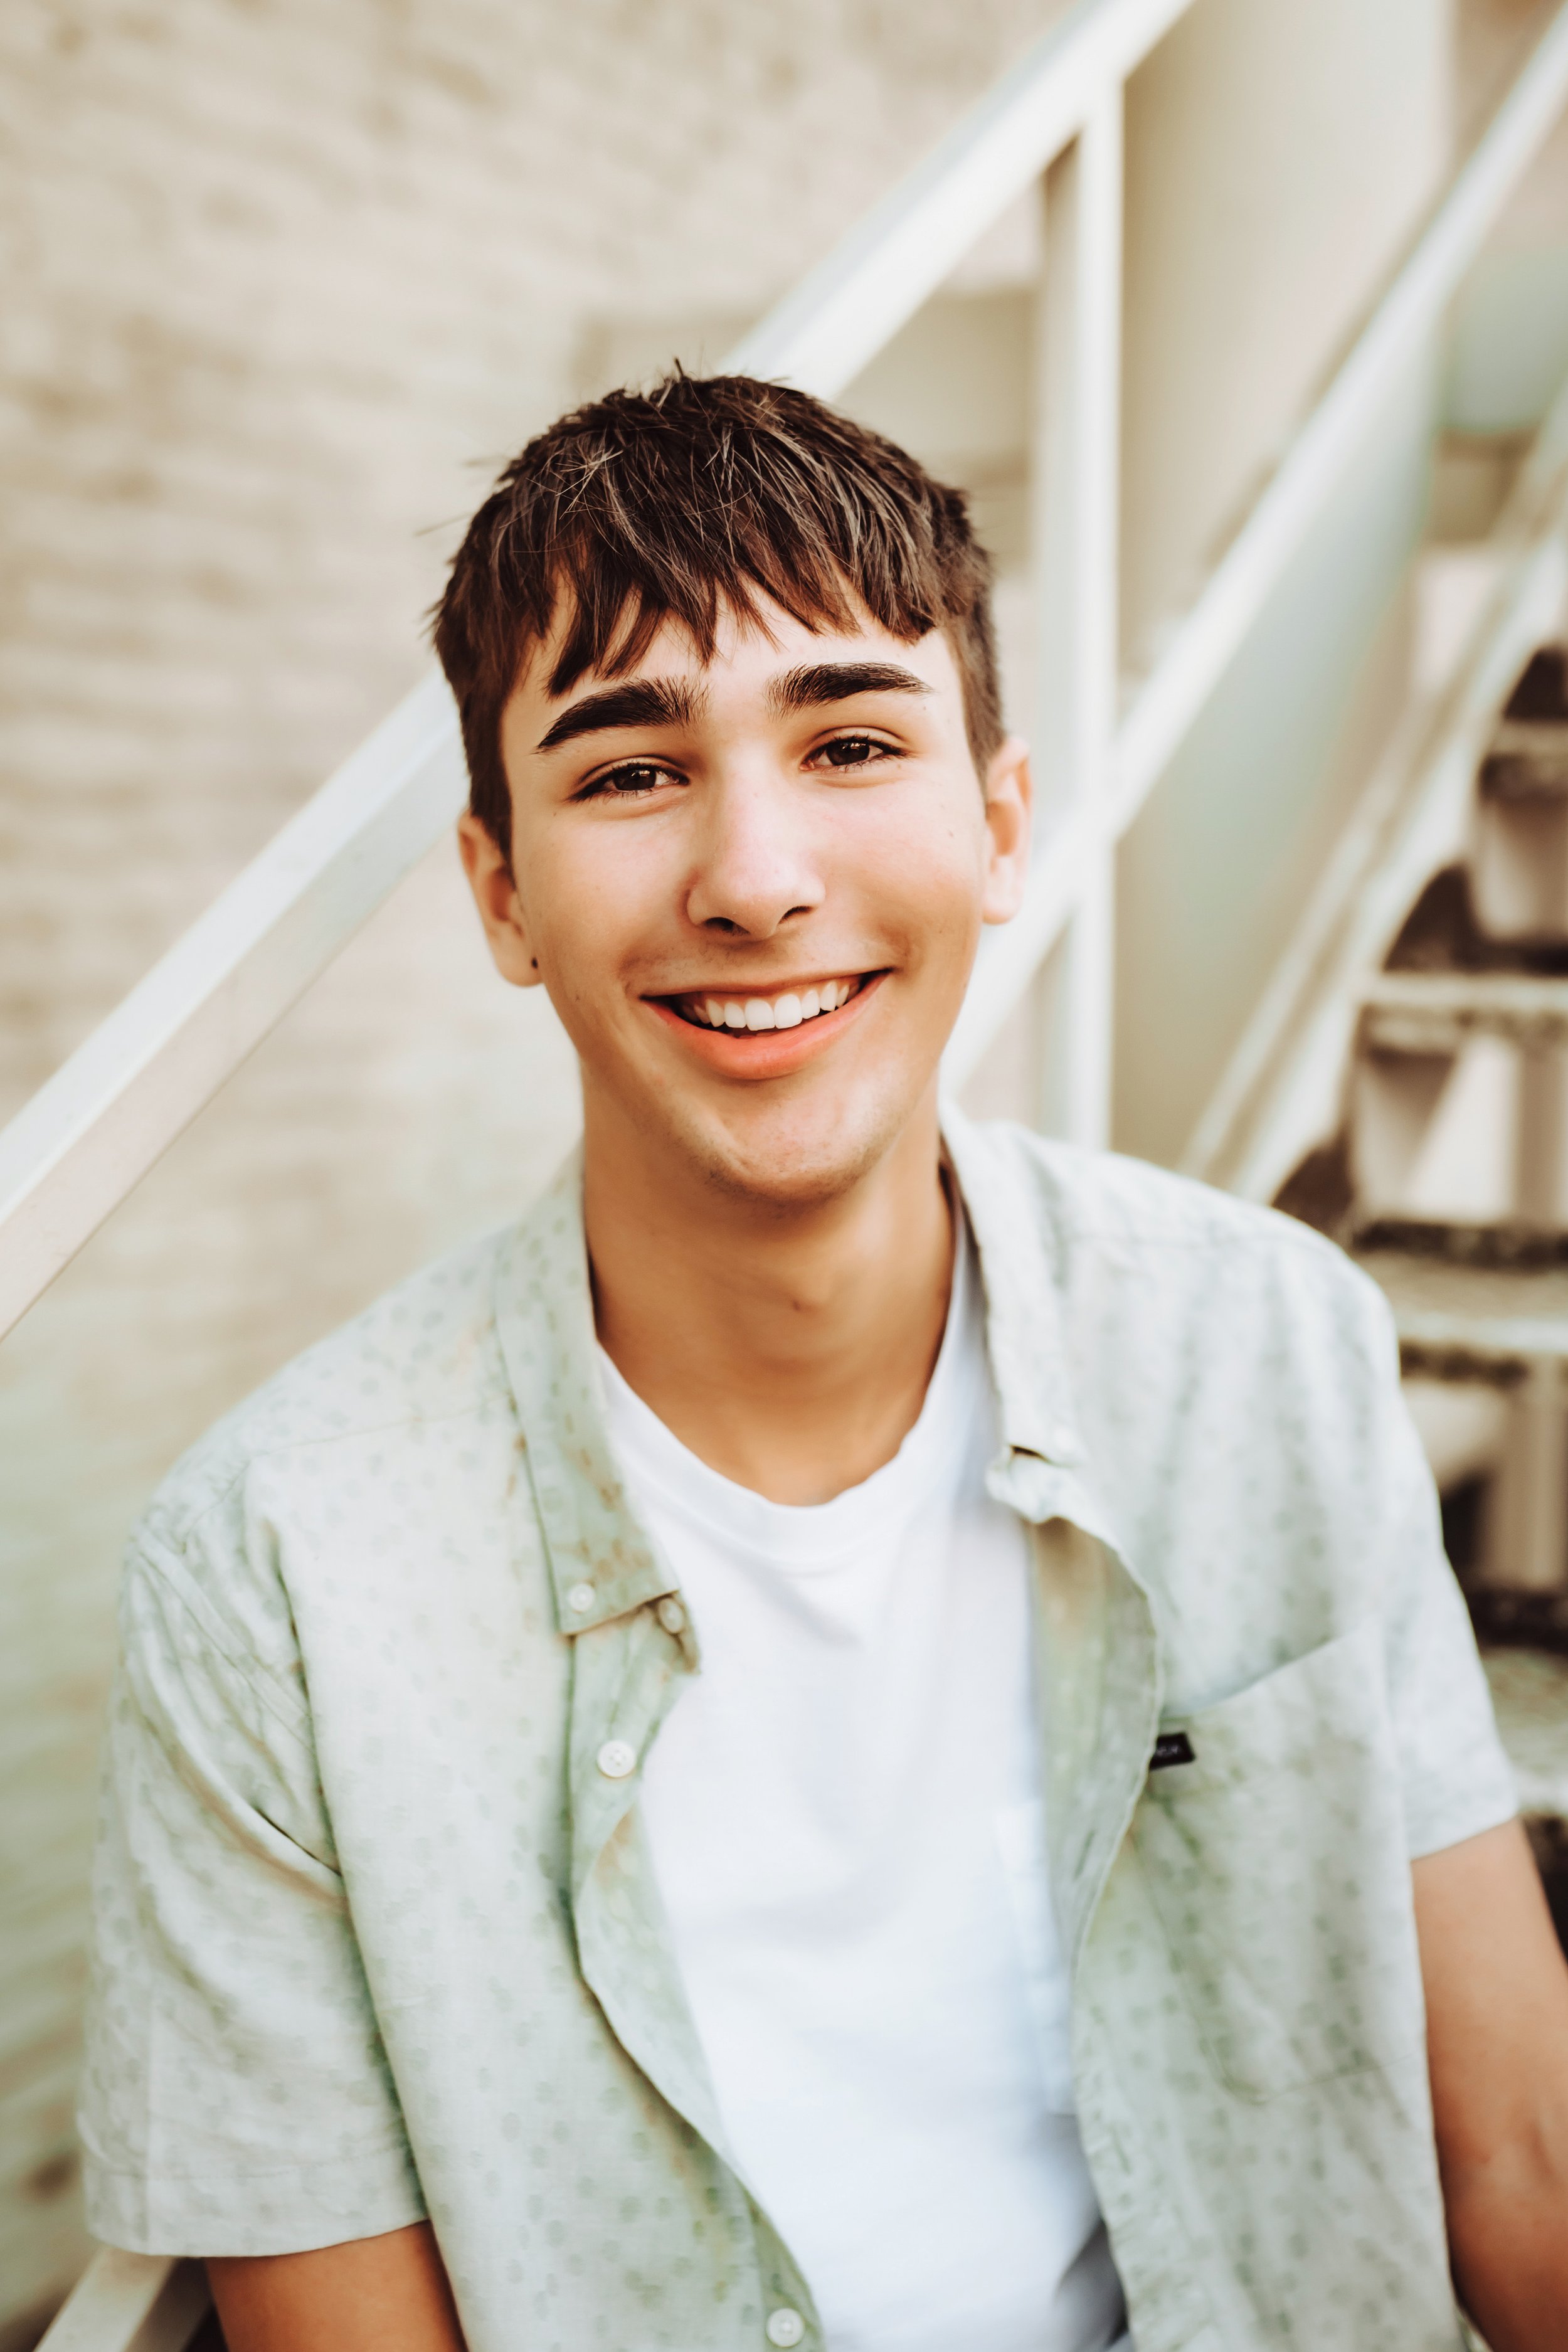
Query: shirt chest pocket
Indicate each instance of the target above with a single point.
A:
(1275, 1862)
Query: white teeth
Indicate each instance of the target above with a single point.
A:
(786, 1012)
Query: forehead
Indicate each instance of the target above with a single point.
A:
(749, 652)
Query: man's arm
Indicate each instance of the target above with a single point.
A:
(373, 2294)
(1497, 2032)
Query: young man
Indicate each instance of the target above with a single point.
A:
(856, 1737)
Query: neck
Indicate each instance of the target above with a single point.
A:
(789, 1348)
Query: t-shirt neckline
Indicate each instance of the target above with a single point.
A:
(805, 1536)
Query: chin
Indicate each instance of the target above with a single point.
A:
(798, 1160)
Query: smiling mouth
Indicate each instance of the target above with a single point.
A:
(786, 1008)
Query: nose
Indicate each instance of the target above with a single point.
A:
(755, 868)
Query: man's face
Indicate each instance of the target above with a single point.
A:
(753, 889)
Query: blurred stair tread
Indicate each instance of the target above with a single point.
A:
(1530, 1696)
(1527, 760)
(1444, 938)
(1433, 1012)
(1460, 1321)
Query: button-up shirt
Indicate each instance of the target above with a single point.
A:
(376, 1931)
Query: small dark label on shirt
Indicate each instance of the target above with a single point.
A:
(1171, 1747)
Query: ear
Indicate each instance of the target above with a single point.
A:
(495, 895)
(1009, 803)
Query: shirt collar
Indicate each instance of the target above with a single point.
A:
(1023, 1308)
(601, 1564)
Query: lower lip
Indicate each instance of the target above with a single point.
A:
(764, 1053)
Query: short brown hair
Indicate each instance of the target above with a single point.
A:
(681, 502)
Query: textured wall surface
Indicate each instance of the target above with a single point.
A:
(279, 284)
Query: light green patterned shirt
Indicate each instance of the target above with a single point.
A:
(376, 1931)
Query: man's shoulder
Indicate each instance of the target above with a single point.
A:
(1180, 1256)
(1087, 1199)
(425, 1352)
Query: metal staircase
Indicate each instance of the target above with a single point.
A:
(1448, 1182)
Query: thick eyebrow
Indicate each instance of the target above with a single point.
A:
(803, 690)
(640, 702)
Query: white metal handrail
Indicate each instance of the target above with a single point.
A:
(90, 1134)
(130, 2302)
(93, 1130)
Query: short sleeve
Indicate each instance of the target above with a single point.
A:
(1456, 1780)
(236, 2098)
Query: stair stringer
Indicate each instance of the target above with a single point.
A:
(1284, 1091)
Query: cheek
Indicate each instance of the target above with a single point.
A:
(927, 880)
(590, 897)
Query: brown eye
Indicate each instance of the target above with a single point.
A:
(853, 750)
(634, 782)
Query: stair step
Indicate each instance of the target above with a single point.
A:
(1472, 1322)
(1540, 691)
(1434, 1012)
(1508, 1246)
(1526, 761)
(1448, 930)
(1509, 1618)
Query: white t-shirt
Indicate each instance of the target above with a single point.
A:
(844, 1819)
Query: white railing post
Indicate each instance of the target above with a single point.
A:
(130, 2302)
(1076, 482)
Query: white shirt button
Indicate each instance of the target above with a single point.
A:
(616, 1758)
(671, 1615)
(786, 2327)
(581, 1597)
